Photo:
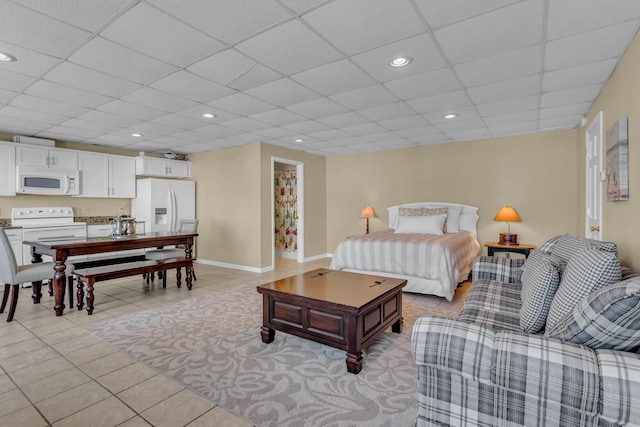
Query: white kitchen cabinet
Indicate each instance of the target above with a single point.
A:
(165, 168)
(46, 157)
(7, 169)
(106, 175)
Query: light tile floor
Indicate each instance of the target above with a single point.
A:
(54, 373)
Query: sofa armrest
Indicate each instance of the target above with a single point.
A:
(546, 372)
(500, 269)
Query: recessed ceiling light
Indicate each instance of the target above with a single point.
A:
(450, 116)
(5, 57)
(299, 140)
(137, 135)
(401, 61)
(209, 115)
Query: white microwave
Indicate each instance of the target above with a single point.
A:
(47, 181)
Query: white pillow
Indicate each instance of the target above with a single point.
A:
(453, 218)
(431, 224)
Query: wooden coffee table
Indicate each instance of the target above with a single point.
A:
(343, 310)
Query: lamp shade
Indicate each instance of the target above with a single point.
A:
(367, 212)
(508, 214)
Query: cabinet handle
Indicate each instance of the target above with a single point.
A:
(595, 228)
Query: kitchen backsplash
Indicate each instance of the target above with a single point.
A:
(90, 220)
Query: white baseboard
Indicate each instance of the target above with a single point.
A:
(254, 269)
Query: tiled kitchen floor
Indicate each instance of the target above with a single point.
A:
(55, 373)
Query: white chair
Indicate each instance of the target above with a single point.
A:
(184, 226)
(12, 275)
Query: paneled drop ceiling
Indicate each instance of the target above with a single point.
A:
(311, 75)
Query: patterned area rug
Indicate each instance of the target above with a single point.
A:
(212, 345)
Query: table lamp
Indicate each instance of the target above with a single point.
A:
(367, 212)
(508, 215)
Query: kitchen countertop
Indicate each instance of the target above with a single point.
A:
(93, 220)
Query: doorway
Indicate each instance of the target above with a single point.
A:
(594, 172)
(287, 209)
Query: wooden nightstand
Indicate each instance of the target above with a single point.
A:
(493, 247)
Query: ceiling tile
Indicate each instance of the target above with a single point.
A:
(283, 92)
(32, 30)
(180, 122)
(404, 123)
(387, 112)
(289, 48)
(108, 118)
(364, 129)
(442, 103)
(370, 96)
(275, 133)
(515, 88)
(565, 110)
(508, 119)
(307, 127)
(592, 46)
(148, 128)
(90, 80)
(419, 131)
(70, 134)
(423, 51)
(188, 85)
(436, 138)
(216, 131)
(343, 120)
(568, 17)
(570, 96)
(505, 29)
(234, 70)
(469, 134)
(103, 55)
(498, 68)
(56, 91)
(438, 13)
(159, 100)
(242, 104)
(463, 113)
(336, 77)
(514, 105)
(329, 135)
(38, 116)
(14, 81)
(46, 106)
(146, 29)
(90, 126)
(87, 14)
(379, 137)
(129, 109)
(22, 127)
(582, 75)
(456, 125)
(358, 25)
(317, 108)
(300, 6)
(6, 96)
(229, 21)
(278, 117)
(29, 62)
(424, 84)
(246, 124)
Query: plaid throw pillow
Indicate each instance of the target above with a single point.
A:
(540, 280)
(566, 246)
(588, 271)
(425, 212)
(608, 318)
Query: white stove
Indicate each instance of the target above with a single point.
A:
(46, 224)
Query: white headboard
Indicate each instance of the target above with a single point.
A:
(468, 216)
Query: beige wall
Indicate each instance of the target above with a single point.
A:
(619, 98)
(228, 204)
(234, 203)
(536, 174)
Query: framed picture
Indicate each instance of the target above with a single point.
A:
(618, 161)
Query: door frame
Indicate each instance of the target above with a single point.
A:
(299, 206)
(593, 184)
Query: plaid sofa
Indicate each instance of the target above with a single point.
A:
(482, 370)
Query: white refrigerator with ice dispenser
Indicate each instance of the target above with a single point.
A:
(161, 203)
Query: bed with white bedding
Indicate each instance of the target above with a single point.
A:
(432, 245)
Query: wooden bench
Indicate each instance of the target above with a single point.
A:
(89, 276)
